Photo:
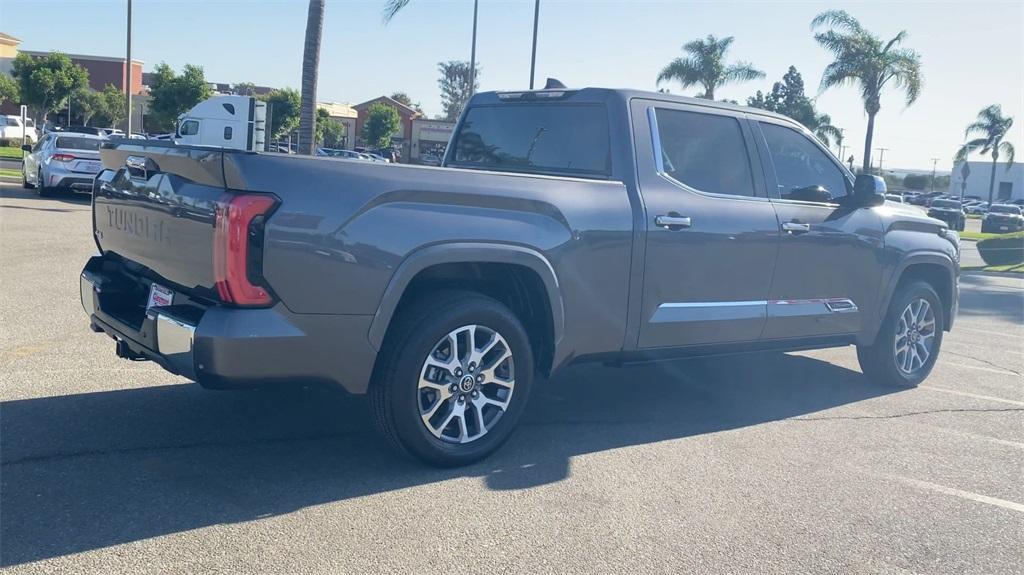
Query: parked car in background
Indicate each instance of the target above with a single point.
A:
(11, 130)
(113, 132)
(894, 198)
(92, 130)
(62, 160)
(430, 159)
(1002, 218)
(949, 211)
(976, 208)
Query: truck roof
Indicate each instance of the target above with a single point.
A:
(592, 94)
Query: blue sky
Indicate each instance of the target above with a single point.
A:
(973, 52)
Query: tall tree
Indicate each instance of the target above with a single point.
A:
(788, 98)
(992, 127)
(9, 90)
(244, 89)
(382, 121)
(455, 86)
(87, 104)
(329, 133)
(172, 95)
(866, 61)
(705, 66)
(310, 68)
(112, 106)
(46, 82)
(284, 107)
(403, 98)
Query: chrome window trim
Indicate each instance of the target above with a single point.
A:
(659, 162)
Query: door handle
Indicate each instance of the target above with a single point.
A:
(670, 222)
(796, 228)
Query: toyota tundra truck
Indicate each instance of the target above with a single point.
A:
(563, 226)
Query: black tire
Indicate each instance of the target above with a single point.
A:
(41, 189)
(24, 180)
(878, 361)
(394, 395)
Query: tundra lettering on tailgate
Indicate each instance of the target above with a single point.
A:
(139, 225)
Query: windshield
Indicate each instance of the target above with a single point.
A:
(946, 204)
(78, 143)
(536, 138)
(1002, 209)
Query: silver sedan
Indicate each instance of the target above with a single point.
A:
(62, 160)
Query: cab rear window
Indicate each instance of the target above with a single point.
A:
(561, 139)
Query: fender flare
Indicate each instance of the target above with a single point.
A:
(928, 257)
(465, 252)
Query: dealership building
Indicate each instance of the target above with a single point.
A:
(1009, 183)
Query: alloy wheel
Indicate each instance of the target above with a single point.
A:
(915, 336)
(466, 384)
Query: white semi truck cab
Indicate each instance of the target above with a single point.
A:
(236, 122)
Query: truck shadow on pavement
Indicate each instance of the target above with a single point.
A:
(89, 471)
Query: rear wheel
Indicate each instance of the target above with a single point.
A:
(41, 187)
(907, 345)
(24, 180)
(454, 378)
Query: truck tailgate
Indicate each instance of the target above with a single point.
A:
(155, 205)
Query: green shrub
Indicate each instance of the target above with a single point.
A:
(1002, 250)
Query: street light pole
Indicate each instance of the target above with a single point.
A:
(533, 55)
(128, 75)
(472, 53)
(881, 157)
(935, 161)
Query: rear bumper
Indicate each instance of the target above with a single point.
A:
(222, 348)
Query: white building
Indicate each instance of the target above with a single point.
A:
(1009, 184)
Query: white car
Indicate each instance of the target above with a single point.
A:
(10, 129)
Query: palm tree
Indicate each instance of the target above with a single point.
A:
(826, 132)
(705, 65)
(864, 60)
(992, 126)
(393, 7)
(310, 66)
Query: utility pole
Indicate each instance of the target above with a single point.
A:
(533, 55)
(842, 146)
(472, 53)
(935, 161)
(128, 75)
(881, 156)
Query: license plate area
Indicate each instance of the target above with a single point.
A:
(159, 296)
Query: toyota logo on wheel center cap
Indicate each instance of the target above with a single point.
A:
(467, 383)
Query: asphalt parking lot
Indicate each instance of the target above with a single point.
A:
(773, 463)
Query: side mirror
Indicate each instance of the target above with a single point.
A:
(27, 148)
(869, 190)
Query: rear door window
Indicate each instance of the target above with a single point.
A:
(562, 139)
(705, 152)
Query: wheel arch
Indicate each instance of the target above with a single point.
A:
(476, 266)
(936, 269)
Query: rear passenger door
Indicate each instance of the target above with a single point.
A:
(711, 236)
(830, 254)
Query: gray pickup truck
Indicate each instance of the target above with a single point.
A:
(564, 226)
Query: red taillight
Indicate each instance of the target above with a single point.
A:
(231, 249)
(62, 157)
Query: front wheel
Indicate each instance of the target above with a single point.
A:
(907, 344)
(454, 377)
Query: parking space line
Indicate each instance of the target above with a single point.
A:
(973, 395)
(979, 368)
(970, 496)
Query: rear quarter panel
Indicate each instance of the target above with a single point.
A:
(344, 227)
